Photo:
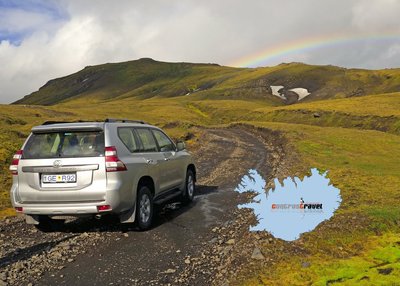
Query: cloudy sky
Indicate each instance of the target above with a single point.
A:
(41, 40)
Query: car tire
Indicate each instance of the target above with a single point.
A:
(190, 187)
(144, 208)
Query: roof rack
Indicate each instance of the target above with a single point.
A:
(59, 122)
(124, 120)
(110, 120)
(53, 122)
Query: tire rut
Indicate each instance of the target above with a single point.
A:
(243, 154)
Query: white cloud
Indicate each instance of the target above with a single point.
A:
(16, 20)
(392, 51)
(376, 16)
(65, 36)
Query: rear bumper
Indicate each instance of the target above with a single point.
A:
(116, 194)
(111, 198)
(51, 209)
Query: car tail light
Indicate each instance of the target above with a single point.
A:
(15, 161)
(113, 163)
(19, 209)
(103, 208)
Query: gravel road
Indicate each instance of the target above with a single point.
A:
(204, 243)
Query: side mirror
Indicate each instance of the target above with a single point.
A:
(180, 146)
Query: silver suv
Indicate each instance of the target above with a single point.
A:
(117, 166)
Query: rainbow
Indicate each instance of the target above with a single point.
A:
(268, 55)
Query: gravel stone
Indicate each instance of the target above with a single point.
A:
(257, 254)
(230, 241)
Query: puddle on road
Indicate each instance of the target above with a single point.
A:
(295, 207)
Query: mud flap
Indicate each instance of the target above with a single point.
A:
(32, 219)
(128, 217)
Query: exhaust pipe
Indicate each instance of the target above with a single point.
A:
(98, 216)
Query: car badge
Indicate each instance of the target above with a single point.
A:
(57, 164)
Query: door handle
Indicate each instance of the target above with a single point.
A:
(149, 161)
(166, 159)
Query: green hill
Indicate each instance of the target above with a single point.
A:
(146, 78)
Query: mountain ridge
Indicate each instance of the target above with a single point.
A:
(146, 78)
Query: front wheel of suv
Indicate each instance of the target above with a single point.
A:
(190, 187)
(144, 208)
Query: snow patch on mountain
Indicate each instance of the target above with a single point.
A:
(275, 91)
(279, 91)
(302, 92)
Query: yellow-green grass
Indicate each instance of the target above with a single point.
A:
(364, 165)
(374, 112)
(226, 111)
(152, 110)
(380, 105)
(380, 254)
(383, 105)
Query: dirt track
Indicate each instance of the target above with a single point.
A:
(193, 245)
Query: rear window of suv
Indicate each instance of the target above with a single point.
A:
(147, 139)
(64, 145)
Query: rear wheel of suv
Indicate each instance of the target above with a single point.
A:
(190, 187)
(144, 208)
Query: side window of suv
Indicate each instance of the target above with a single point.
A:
(147, 139)
(128, 138)
(163, 141)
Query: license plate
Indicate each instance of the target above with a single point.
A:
(59, 178)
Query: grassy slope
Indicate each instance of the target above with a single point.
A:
(379, 105)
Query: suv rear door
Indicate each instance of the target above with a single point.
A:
(62, 166)
(149, 151)
(165, 170)
(173, 165)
